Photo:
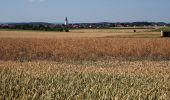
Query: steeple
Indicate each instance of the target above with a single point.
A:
(66, 21)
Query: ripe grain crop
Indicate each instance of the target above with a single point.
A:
(43, 66)
(83, 48)
(89, 80)
(112, 66)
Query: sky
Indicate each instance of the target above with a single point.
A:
(87, 11)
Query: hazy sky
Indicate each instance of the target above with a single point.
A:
(84, 10)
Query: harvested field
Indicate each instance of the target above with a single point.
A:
(109, 30)
(79, 33)
(83, 48)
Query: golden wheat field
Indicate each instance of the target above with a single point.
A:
(95, 64)
(83, 48)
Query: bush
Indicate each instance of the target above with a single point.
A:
(66, 29)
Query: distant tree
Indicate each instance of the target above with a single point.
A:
(35, 27)
(66, 29)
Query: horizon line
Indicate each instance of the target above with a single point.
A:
(85, 22)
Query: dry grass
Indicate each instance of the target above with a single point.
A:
(83, 48)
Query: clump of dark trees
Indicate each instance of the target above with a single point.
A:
(36, 27)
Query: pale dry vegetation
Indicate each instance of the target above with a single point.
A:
(60, 66)
(79, 33)
(112, 66)
(109, 30)
(103, 79)
(83, 48)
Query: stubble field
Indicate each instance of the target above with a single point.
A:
(79, 33)
(84, 64)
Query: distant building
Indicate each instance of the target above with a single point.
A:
(66, 21)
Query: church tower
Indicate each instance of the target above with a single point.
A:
(66, 21)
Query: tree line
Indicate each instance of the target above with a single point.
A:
(36, 27)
